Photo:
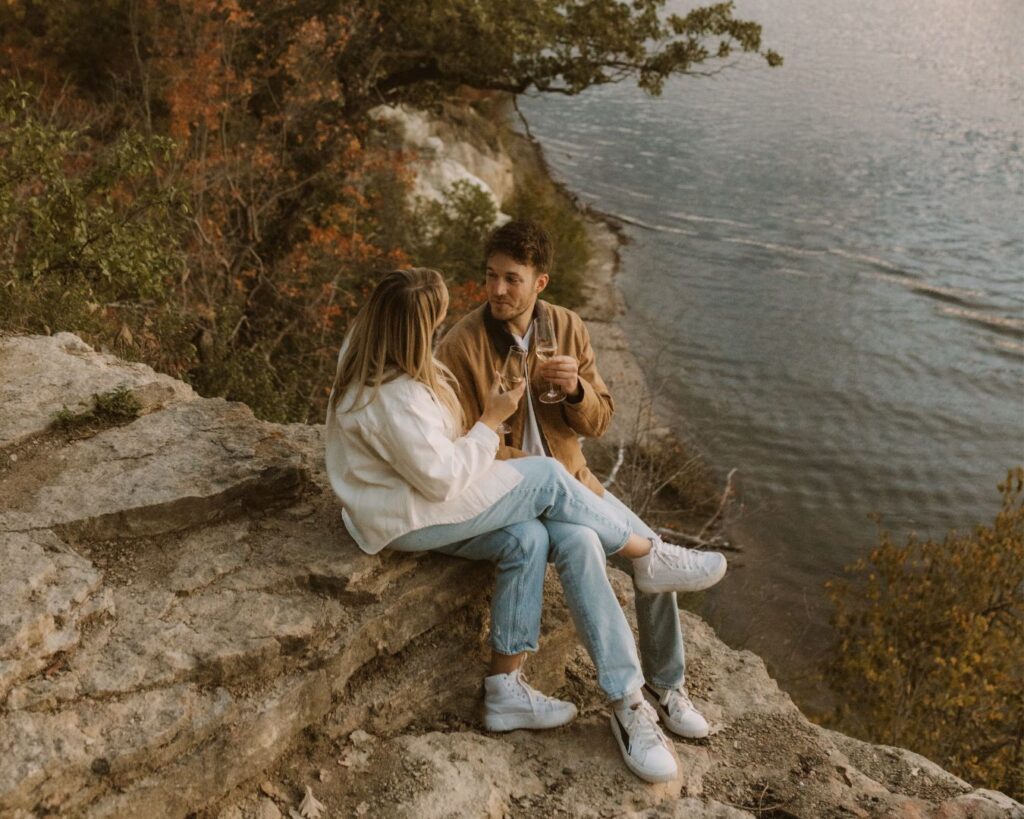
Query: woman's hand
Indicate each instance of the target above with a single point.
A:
(500, 405)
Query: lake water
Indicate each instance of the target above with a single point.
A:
(826, 277)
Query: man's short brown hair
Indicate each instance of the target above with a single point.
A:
(523, 240)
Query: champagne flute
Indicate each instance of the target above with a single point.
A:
(546, 346)
(511, 376)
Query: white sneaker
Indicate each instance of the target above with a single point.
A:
(669, 568)
(645, 750)
(511, 704)
(677, 712)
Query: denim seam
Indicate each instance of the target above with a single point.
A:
(517, 617)
(515, 609)
(645, 627)
(589, 624)
(606, 521)
(611, 524)
(623, 694)
(668, 686)
(519, 645)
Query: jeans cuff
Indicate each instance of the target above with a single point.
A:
(621, 546)
(515, 648)
(668, 686)
(633, 689)
(633, 686)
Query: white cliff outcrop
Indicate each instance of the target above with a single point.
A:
(442, 159)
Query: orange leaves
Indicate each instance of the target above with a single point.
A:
(237, 16)
(193, 63)
(464, 297)
(294, 202)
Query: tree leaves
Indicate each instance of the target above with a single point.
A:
(931, 646)
(292, 196)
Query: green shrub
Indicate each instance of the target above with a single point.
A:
(118, 406)
(451, 235)
(538, 198)
(89, 237)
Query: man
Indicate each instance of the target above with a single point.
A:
(518, 260)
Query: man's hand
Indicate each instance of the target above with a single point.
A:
(562, 371)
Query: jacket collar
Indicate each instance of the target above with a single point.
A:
(499, 335)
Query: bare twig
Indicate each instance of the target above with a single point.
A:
(619, 458)
(718, 543)
(726, 494)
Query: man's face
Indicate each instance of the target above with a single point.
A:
(512, 288)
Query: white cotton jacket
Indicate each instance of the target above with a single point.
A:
(398, 466)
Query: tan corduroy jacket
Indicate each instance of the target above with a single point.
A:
(476, 347)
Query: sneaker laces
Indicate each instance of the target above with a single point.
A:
(643, 729)
(672, 556)
(526, 692)
(677, 698)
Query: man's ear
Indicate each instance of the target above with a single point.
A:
(542, 282)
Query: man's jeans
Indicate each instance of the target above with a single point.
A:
(548, 500)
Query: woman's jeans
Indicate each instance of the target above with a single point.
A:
(548, 507)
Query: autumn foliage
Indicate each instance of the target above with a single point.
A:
(251, 163)
(282, 192)
(931, 652)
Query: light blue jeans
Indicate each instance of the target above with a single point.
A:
(657, 615)
(548, 507)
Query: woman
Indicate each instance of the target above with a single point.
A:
(412, 479)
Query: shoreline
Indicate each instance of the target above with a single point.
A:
(602, 308)
(636, 419)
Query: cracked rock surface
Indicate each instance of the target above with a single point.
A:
(763, 758)
(179, 600)
(187, 630)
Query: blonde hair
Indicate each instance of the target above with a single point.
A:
(393, 333)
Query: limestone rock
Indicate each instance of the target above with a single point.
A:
(447, 775)
(899, 769)
(236, 610)
(189, 464)
(181, 609)
(691, 808)
(444, 158)
(46, 592)
(43, 374)
(267, 810)
(980, 804)
(66, 759)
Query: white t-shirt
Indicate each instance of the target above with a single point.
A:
(533, 442)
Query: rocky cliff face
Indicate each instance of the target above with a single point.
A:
(186, 628)
(179, 600)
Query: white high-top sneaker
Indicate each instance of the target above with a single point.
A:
(671, 568)
(677, 712)
(645, 750)
(510, 704)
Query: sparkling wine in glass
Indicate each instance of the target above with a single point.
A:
(511, 376)
(546, 345)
